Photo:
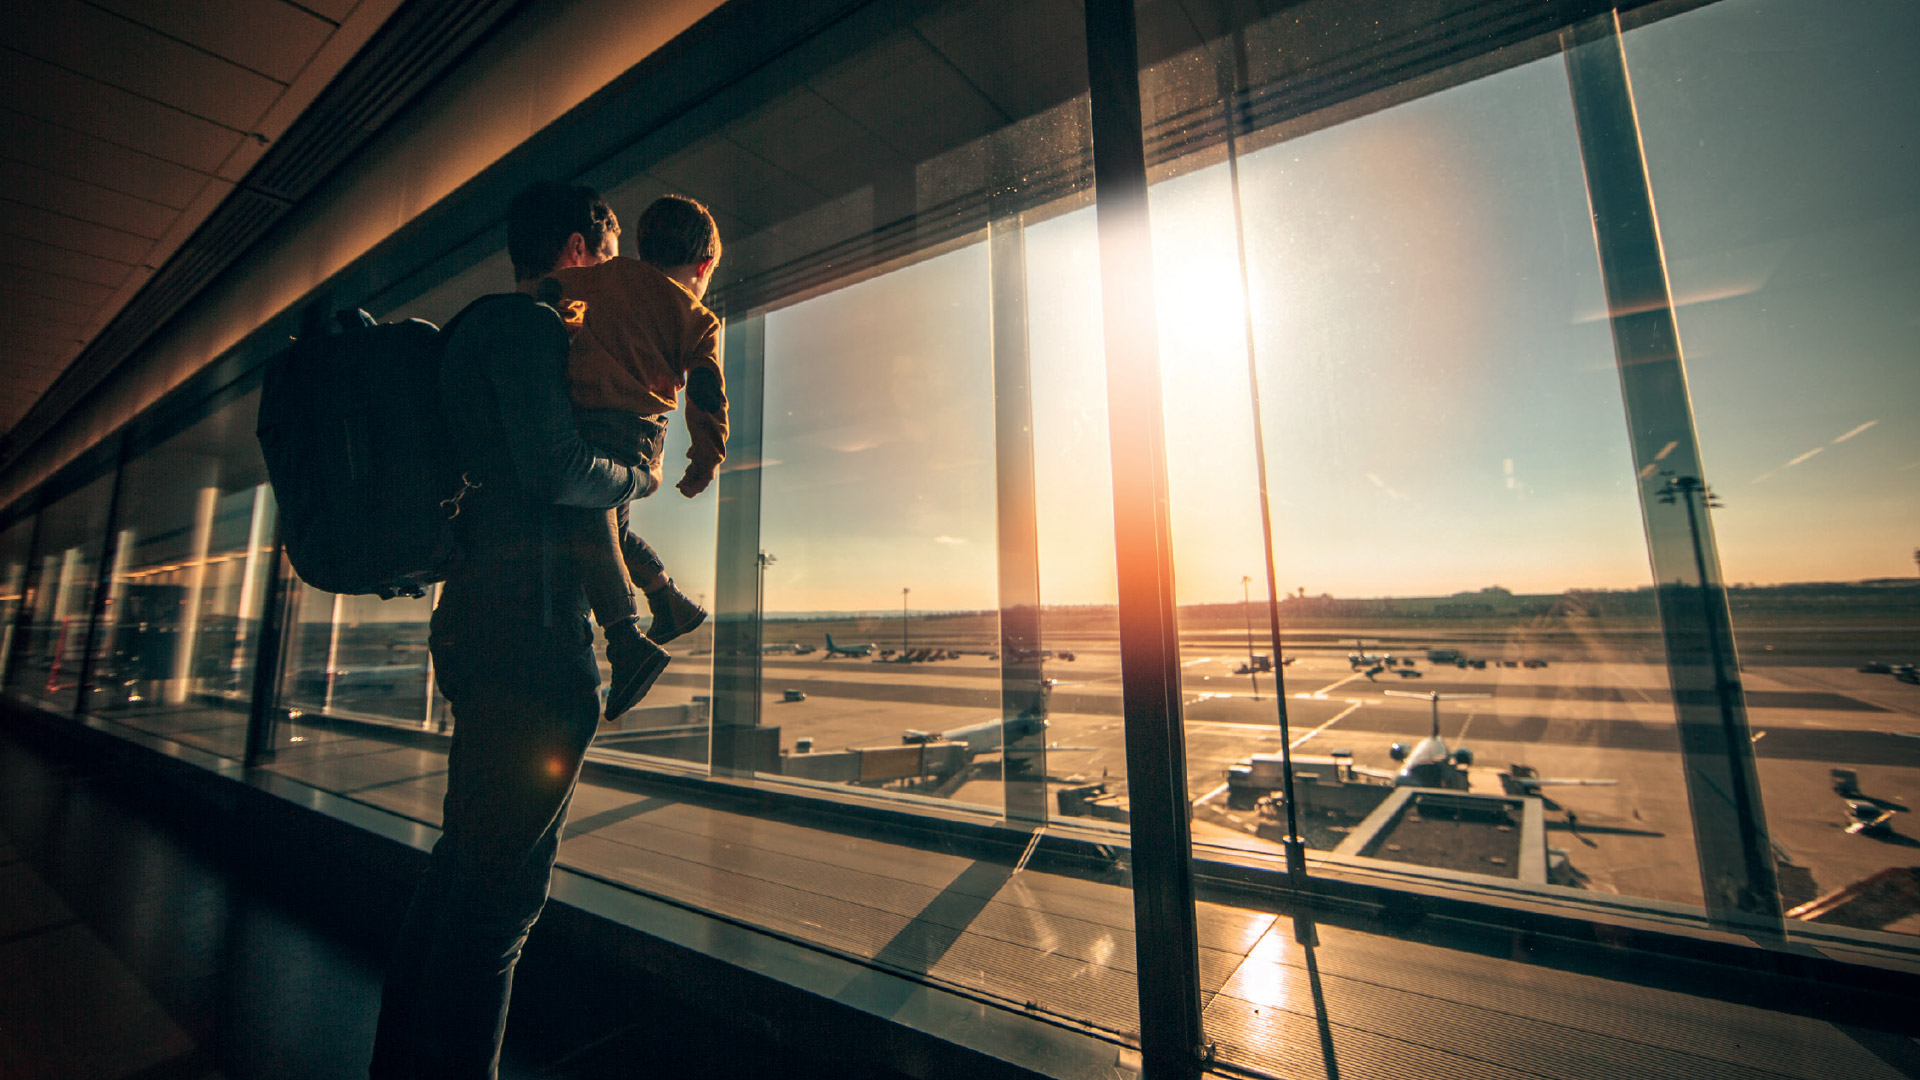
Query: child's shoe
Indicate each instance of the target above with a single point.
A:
(636, 663)
(674, 613)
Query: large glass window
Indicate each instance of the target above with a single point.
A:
(359, 657)
(61, 582)
(912, 560)
(1458, 542)
(193, 556)
(16, 547)
(1779, 148)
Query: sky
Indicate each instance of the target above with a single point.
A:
(1438, 385)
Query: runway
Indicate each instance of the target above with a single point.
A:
(1605, 718)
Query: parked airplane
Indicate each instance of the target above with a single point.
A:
(1428, 763)
(847, 650)
(989, 736)
(1364, 659)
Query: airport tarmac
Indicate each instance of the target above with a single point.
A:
(1594, 719)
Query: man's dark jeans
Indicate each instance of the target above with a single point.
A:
(525, 706)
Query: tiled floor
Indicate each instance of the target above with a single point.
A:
(144, 938)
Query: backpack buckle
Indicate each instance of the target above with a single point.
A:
(452, 505)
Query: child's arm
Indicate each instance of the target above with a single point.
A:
(706, 410)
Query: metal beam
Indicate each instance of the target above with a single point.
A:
(1166, 939)
(1737, 873)
(735, 711)
(1023, 696)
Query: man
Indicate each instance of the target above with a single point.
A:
(512, 651)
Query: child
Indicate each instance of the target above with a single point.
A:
(640, 335)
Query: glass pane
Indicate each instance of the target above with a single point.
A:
(15, 549)
(1776, 139)
(674, 720)
(1474, 678)
(879, 478)
(359, 657)
(1454, 509)
(912, 569)
(59, 600)
(192, 561)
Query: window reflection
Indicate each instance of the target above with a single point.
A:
(1453, 498)
(61, 581)
(1789, 228)
(359, 657)
(15, 550)
(192, 561)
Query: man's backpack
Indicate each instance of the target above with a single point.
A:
(356, 448)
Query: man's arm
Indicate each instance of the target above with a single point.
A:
(520, 348)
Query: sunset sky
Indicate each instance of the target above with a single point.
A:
(1439, 391)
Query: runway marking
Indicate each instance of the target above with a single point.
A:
(1341, 715)
(1270, 729)
(1757, 736)
(1322, 692)
(1210, 794)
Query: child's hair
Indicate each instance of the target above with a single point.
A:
(544, 215)
(677, 231)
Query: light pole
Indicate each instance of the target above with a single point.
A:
(1246, 609)
(764, 559)
(904, 634)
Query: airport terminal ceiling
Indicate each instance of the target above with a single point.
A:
(126, 124)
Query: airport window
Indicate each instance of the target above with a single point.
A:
(51, 644)
(912, 573)
(193, 553)
(359, 657)
(15, 550)
(1777, 155)
(1463, 579)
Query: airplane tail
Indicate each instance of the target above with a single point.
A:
(830, 644)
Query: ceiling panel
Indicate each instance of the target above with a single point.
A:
(64, 262)
(1025, 55)
(119, 52)
(810, 138)
(73, 153)
(61, 313)
(25, 359)
(337, 10)
(117, 120)
(35, 329)
(907, 95)
(79, 199)
(75, 101)
(33, 223)
(273, 38)
(33, 282)
(722, 173)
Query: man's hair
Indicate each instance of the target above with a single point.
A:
(544, 215)
(677, 231)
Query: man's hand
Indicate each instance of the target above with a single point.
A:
(697, 479)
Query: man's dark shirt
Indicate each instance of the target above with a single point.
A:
(503, 389)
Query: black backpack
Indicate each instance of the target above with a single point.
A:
(356, 449)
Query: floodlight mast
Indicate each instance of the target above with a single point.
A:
(1295, 846)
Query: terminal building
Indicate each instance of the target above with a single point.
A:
(1508, 407)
